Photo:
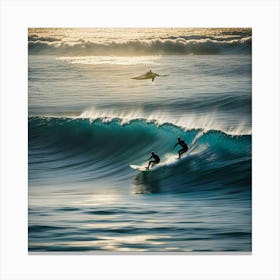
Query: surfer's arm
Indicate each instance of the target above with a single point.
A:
(175, 145)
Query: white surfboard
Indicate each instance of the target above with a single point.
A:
(139, 167)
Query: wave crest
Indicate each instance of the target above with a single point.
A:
(172, 45)
(206, 122)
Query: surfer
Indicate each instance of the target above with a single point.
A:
(155, 161)
(151, 75)
(148, 75)
(184, 146)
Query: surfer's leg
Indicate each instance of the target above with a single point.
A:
(155, 162)
(182, 151)
(151, 162)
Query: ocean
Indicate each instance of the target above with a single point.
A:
(88, 121)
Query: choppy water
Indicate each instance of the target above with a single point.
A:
(88, 121)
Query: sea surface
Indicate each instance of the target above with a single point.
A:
(89, 121)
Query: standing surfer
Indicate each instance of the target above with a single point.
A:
(184, 146)
(155, 160)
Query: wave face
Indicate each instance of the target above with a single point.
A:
(186, 41)
(69, 150)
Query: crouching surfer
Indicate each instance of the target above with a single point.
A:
(155, 160)
(184, 146)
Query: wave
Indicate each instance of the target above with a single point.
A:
(180, 45)
(156, 113)
(88, 150)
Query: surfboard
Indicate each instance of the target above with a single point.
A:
(148, 76)
(145, 77)
(139, 167)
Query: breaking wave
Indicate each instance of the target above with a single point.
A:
(161, 46)
(84, 150)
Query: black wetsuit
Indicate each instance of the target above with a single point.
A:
(155, 161)
(184, 147)
(156, 157)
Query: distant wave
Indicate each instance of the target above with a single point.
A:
(161, 46)
(86, 150)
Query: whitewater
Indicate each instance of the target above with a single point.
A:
(88, 121)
